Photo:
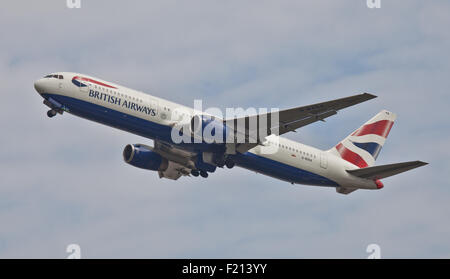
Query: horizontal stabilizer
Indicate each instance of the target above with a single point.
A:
(383, 171)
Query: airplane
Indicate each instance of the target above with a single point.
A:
(347, 166)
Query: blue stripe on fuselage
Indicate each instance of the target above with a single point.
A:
(152, 130)
(77, 83)
(280, 170)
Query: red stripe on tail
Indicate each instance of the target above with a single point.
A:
(381, 128)
(351, 156)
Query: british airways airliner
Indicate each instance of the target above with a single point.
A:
(347, 166)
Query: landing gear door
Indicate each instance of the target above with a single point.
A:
(323, 161)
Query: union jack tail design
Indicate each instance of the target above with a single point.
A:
(362, 147)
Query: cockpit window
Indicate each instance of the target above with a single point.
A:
(54, 76)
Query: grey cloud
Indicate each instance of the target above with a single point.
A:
(63, 180)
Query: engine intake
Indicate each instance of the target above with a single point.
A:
(209, 129)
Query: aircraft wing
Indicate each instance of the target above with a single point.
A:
(174, 172)
(294, 118)
(181, 161)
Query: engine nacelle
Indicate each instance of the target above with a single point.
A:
(143, 157)
(209, 129)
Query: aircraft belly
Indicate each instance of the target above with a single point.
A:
(280, 170)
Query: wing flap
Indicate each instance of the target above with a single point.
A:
(383, 171)
(294, 125)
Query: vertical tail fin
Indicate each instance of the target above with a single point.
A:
(362, 147)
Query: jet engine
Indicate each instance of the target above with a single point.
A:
(143, 157)
(209, 129)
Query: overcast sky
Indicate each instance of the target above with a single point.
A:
(63, 180)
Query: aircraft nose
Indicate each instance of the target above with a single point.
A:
(39, 86)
